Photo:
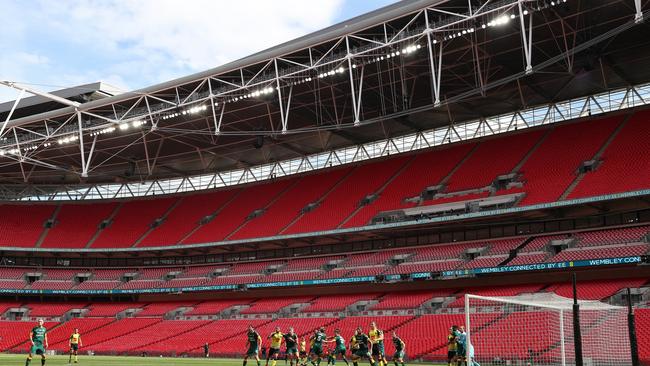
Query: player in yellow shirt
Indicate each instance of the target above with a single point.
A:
(274, 350)
(377, 338)
(75, 343)
(303, 351)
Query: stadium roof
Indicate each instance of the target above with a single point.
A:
(410, 66)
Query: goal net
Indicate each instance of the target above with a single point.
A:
(537, 329)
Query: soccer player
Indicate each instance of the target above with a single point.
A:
(291, 343)
(38, 338)
(206, 350)
(339, 348)
(452, 346)
(274, 350)
(400, 347)
(75, 343)
(316, 350)
(461, 340)
(303, 351)
(361, 344)
(253, 341)
(377, 338)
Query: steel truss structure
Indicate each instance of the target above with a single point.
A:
(421, 66)
(540, 115)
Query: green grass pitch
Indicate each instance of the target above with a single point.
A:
(19, 360)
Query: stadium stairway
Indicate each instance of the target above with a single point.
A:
(109, 219)
(46, 229)
(248, 221)
(596, 157)
(227, 202)
(381, 188)
(153, 227)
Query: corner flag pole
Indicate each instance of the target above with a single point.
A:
(577, 335)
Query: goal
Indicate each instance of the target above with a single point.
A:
(538, 329)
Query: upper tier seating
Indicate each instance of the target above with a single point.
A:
(550, 157)
(625, 164)
(131, 222)
(481, 168)
(287, 208)
(345, 198)
(186, 217)
(235, 213)
(22, 225)
(420, 173)
(553, 166)
(76, 224)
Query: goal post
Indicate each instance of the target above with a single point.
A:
(538, 329)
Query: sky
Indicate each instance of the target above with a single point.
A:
(131, 44)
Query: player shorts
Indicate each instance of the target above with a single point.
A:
(74, 347)
(451, 354)
(398, 355)
(273, 351)
(378, 350)
(460, 351)
(339, 351)
(361, 352)
(291, 351)
(252, 350)
(37, 349)
(318, 351)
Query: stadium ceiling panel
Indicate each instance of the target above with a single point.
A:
(412, 66)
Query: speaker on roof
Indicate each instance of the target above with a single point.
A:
(259, 142)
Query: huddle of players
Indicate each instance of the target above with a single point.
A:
(457, 347)
(39, 343)
(363, 346)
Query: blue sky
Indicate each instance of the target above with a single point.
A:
(135, 43)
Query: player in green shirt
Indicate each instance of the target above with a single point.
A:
(361, 346)
(291, 342)
(316, 350)
(38, 338)
(400, 346)
(339, 348)
(253, 341)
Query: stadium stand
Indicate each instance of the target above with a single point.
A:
(186, 217)
(76, 224)
(553, 166)
(346, 198)
(621, 169)
(334, 198)
(131, 222)
(233, 215)
(415, 177)
(287, 208)
(22, 225)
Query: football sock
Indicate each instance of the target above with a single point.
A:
(29, 359)
(42, 361)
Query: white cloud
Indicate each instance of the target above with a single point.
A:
(138, 43)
